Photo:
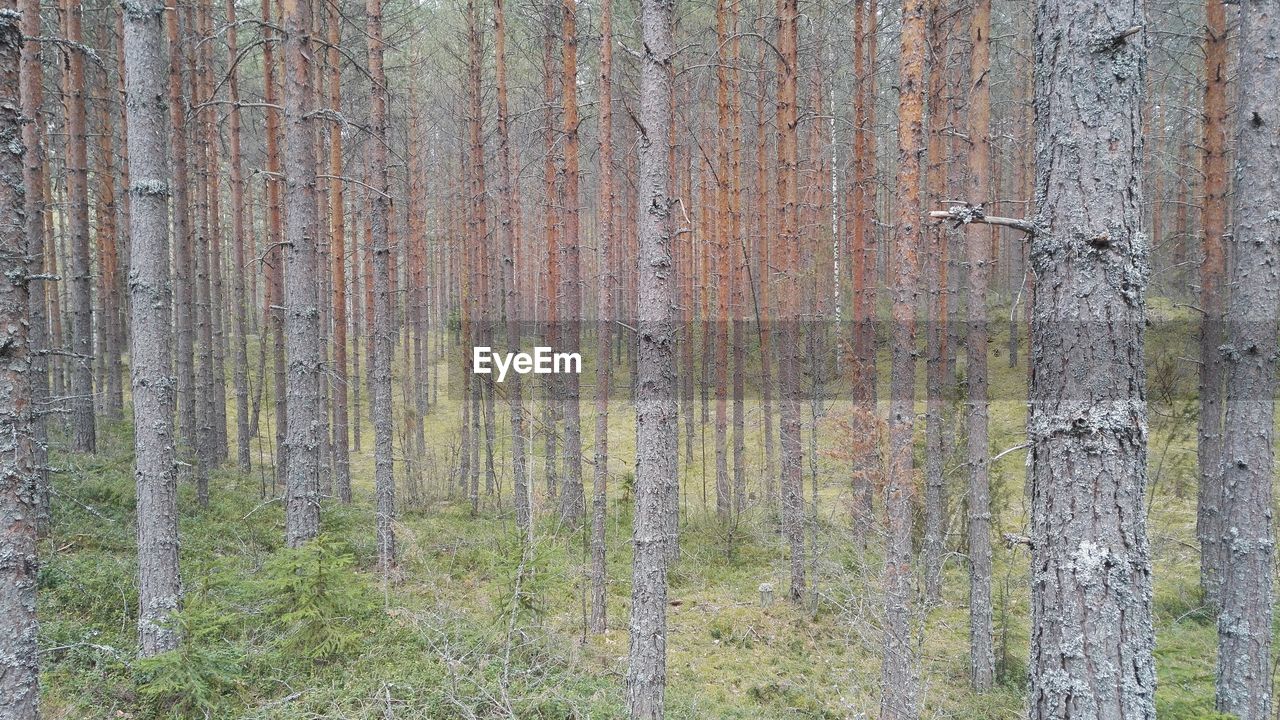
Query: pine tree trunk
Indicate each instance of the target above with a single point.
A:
(80, 296)
(935, 305)
(899, 685)
(19, 655)
(110, 397)
(1212, 301)
(1245, 681)
(476, 305)
(865, 461)
(1091, 632)
(338, 251)
(33, 180)
(218, 340)
(152, 381)
(550, 301)
(572, 494)
(301, 301)
(240, 367)
(656, 368)
(724, 285)
(982, 663)
(183, 285)
(380, 361)
(764, 308)
(788, 341)
(196, 69)
(605, 255)
(511, 308)
(273, 319)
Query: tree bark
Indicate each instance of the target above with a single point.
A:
(80, 295)
(899, 688)
(110, 398)
(1091, 633)
(656, 367)
(475, 307)
(19, 495)
(151, 372)
(1212, 301)
(572, 493)
(982, 661)
(511, 308)
(788, 341)
(301, 301)
(724, 282)
(550, 302)
(939, 30)
(764, 308)
(183, 283)
(34, 182)
(338, 251)
(605, 260)
(1244, 682)
(239, 302)
(865, 461)
(380, 361)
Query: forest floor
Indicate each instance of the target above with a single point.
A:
(472, 627)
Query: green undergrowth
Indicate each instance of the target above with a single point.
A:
(472, 624)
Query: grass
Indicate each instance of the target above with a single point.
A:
(472, 627)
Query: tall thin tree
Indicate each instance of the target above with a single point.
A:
(338, 253)
(80, 278)
(301, 297)
(788, 341)
(239, 302)
(514, 391)
(978, 252)
(32, 92)
(380, 360)
(899, 688)
(572, 495)
(656, 367)
(605, 258)
(1212, 300)
(152, 380)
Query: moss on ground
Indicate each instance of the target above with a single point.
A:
(473, 627)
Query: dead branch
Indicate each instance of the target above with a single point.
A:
(966, 213)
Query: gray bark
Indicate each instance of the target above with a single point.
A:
(19, 566)
(1091, 634)
(656, 371)
(935, 371)
(604, 330)
(239, 300)
(150, 294)
(33, 177)
(380, 362)
(183, 306)
(572, 493)
(1244, 682)
(301, 301)
(79, 273)
(982, 661)
(510, 307)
